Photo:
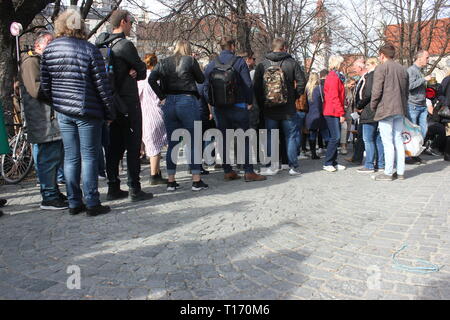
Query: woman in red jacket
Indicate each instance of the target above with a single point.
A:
(333, 111)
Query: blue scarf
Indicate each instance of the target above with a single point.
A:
(340, 75)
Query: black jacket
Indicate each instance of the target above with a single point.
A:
(125, 58)
(73, 76)
(292, 72)
(367, 113)
(181, 78)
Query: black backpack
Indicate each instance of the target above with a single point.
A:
(108, 57)
(222, 91)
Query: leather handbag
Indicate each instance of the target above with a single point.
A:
(301, 104)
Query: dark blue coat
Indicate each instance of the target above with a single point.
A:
(73, 76)
(314, 117)
(244, 82)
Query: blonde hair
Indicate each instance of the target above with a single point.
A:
(182, 48)
(335, 62)
(70, 24)
(373, 61)
(313, 82)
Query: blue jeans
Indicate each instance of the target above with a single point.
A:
(82, 141)
(233, 118)
(60, 173)
(418, 115)
(394, 150)
(373, 145)
(48, 159)
(334, 128)
(291, 130)
(180, 112)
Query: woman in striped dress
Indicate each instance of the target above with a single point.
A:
(153, 129)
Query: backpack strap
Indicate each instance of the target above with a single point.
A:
(229, 64)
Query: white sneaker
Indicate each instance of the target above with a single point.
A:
(294, 172)
(268, 172)
(101, 178)
(344, 151)
(340, 167)
(320, 151)
(285, 167)
(329, 168)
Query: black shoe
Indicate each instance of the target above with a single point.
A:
(1, 213)
(157, 179)
(204, 172)
(3, 202)
(97, 210)
(140, 195)
(75, 211)
(199, 185)
(63, 197)
(116, 194)
(172, 186)
(57, 204)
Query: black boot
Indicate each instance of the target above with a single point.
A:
(114, 193)
(97, 210)
(312, 146)
(447, 149)
(1, 213)
(139, 195)
(157, 179)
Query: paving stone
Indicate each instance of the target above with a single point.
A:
(237, 240)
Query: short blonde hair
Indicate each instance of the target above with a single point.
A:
(183, 48)
(373, 61)
(335, 62)
(70, 24)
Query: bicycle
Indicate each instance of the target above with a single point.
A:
(15, 166)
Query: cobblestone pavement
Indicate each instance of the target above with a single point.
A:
(318, 236)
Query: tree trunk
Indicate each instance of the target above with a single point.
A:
(7, 63)
(243, 29)
(24, 13)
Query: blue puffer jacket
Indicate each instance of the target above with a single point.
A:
(73, 76)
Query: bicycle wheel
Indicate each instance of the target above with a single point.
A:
(14, 167)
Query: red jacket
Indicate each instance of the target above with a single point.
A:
(334, 96)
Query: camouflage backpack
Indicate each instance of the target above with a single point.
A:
(275, 89)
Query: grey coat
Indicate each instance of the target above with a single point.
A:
(390, 90)
(42, 125)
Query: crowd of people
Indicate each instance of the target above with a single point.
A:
(86, 105)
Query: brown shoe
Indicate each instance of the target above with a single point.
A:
(249, 177)
(231, 176)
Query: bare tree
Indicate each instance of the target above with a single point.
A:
(417, 25)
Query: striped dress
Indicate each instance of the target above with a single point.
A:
(153, 129)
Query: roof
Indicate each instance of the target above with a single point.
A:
(434, 34)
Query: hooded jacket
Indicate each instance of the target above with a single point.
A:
(73, 76)
(42, 125)
(125, 58)
(295, 82)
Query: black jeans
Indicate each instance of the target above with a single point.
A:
(125, 133)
